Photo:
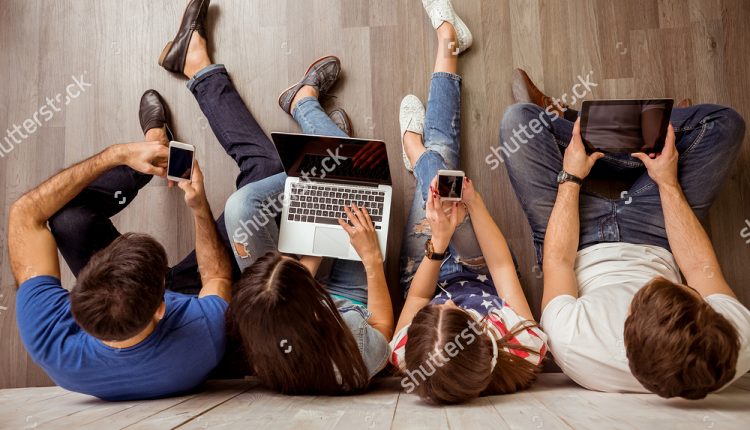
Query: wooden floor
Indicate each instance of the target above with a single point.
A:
(554, 403)
(672, 48)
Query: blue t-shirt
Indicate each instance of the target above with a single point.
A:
(468, 291)
(178, 356)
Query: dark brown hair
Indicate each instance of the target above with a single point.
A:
(121, 287)
(292, 333)
(469, 373)
(677, 345)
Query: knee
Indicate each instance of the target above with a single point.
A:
(517, 114)
(71, 222)
(732, 125)
(240, 204)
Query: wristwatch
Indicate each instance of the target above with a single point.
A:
(430, 253)
(564, 177)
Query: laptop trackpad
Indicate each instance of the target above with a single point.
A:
(331, 242)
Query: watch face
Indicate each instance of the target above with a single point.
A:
(561, 176)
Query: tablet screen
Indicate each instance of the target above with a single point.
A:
(625, 126)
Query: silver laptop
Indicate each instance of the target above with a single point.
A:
(325, 173)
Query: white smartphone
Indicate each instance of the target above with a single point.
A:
(180, 164)
(451, 185)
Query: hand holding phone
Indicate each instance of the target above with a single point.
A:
(180, 164)
(450, 185)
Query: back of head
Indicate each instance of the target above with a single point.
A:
(292, 332)
(449, 358)
(120, 289)
(676, 344)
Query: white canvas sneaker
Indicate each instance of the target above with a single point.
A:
(441, 11)
(411, 117)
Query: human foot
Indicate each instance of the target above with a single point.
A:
(321, 75)
(197, 56)
(411, 119)
(154, 117)
(174, 54)
(524, 91)
(303, 93)
(441, 11)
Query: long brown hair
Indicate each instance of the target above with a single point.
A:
(468, 374)
(677, 344)
(292, 333)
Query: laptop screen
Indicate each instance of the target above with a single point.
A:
(337, 159)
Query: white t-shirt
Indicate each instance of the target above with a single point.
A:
(586, 334)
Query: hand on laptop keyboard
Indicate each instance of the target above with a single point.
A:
(362, 234)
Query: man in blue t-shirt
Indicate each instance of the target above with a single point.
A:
(133, 328)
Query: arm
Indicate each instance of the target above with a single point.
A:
(311, 263)
(563, 228)
(365, 241)
(213, 260)
(496, 252)
(422, 287)
(690, 244)
(32, 248)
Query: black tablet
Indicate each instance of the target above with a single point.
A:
(625, 126)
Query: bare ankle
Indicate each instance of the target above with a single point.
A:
(413, 147)
(304, 92)
(157, 135)
(197, 56)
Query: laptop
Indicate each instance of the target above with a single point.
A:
(325, 173)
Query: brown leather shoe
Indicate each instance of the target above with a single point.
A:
(321, 75)
(524, 91)
(153, 113)
(193, 19)
(684, 103)
(341, 119)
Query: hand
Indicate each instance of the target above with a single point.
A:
(195, 194)
(362, 235)
(576, 161)
(147, 157)
(470, 196)
(442, 223)
(662, 168)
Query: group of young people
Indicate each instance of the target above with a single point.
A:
(616, 313)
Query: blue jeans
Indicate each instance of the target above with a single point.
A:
(83, 226)
(251, 214)
(442, 135)
(708, 140)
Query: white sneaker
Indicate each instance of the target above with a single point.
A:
(411, 117)
(441, 11)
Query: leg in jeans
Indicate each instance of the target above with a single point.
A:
(241, 137)
(708, 138)
(439, 148)
(251, 212)
(533, 162)
(347, 278)
(442, 137)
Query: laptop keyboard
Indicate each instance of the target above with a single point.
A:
(324, 204)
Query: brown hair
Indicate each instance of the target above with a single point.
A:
(121, 287)
(292, 333)
(468, 374)
(676, 344)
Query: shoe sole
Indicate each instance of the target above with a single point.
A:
(305, 75)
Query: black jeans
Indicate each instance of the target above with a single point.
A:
(83, 226)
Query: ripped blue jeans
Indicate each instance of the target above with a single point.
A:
(442, 135)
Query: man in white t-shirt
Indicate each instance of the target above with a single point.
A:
(617, 312)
